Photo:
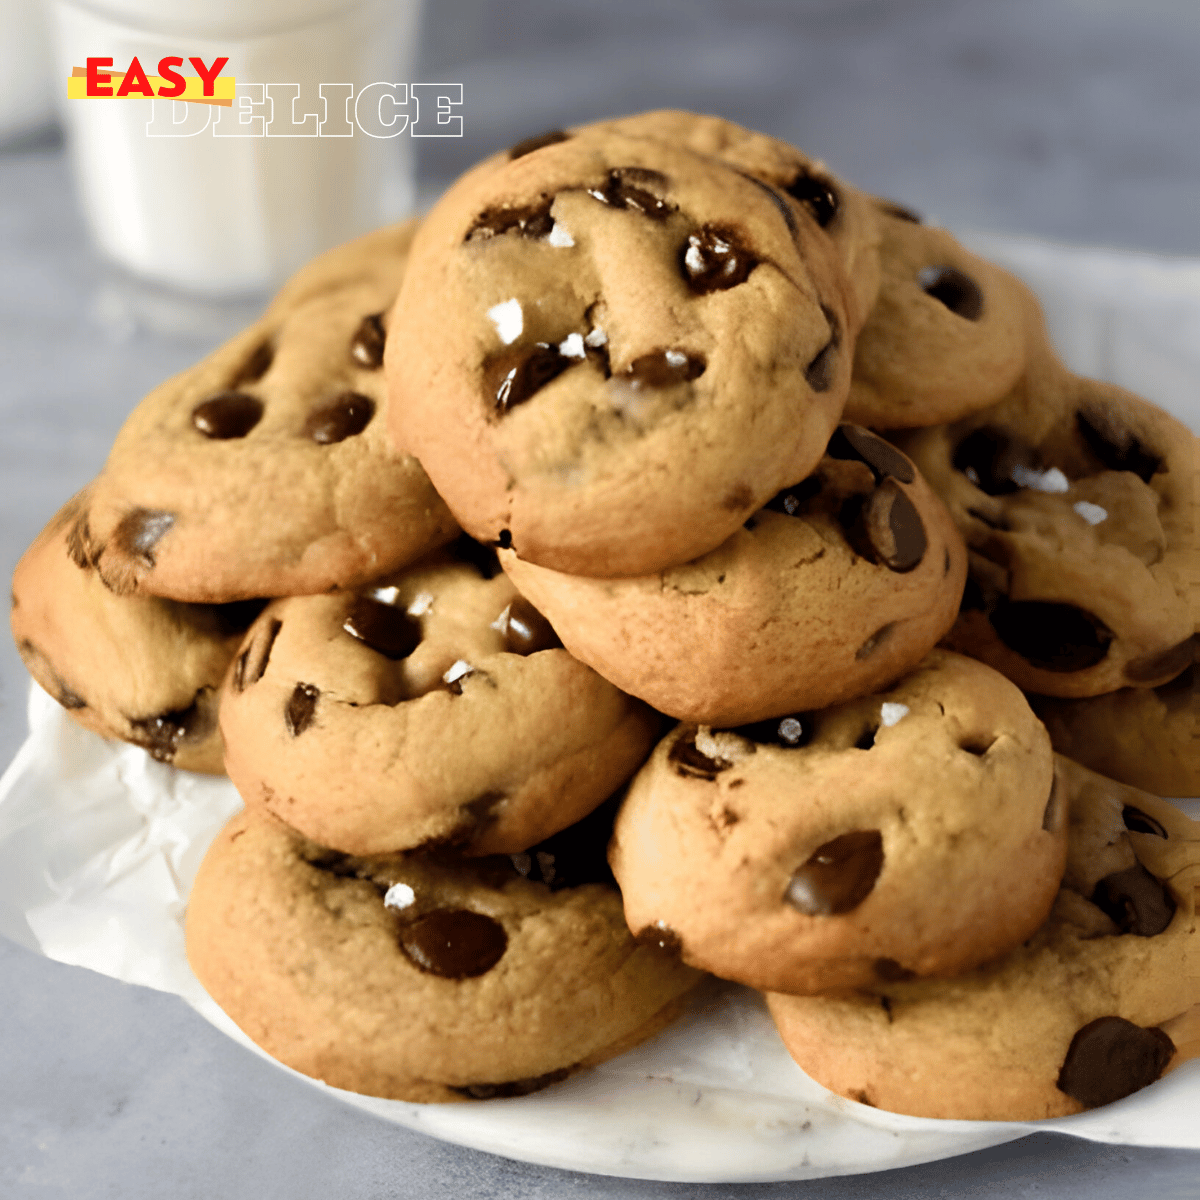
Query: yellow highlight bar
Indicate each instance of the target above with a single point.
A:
(223, 88)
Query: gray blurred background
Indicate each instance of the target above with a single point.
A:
(1075, 120)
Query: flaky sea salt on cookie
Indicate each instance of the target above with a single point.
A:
(611, 350)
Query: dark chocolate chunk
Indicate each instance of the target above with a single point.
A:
(839, 876)
(161, 734)
(514, 1087)
(251, 664)
(817, 195)
(454, 943)
(890, 971)
(820, 372)
(1115, 444)
(1051, 637)
(513, 378)
(140, 531)
(227, 415)
(530, 144)
(366, 346)
(662, 368)
(526, 631)
(951, 287)
(989, 457)
(891, 529)
(792, 500)
(856, 443)
(347, 415)
(715, 259)
(792, 732)
(1111, 1058)
(637, 188)
(483, 558)
(256, 366)
(386, 628)
(874, 641)
(531, 221)
(1138, 902)
(1165, 664)
(1137, 821)
(301, 708)
(691, 762)
(661, 937)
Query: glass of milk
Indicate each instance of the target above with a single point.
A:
(225, 198)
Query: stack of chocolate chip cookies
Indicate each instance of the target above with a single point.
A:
(664, 559)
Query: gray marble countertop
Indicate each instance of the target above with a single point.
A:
(1069, 119)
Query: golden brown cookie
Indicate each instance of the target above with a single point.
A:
(948, 333)
(420, 978)
(633, 347)
(136, 668)
(915, 831)
(1078, 504)
(838, 586)
(266, 469)
(436, 706)
(1084, 1013)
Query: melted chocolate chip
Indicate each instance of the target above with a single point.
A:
(1138, 902)
(1137, 821)
(366, 346)
(690, 762)
(662, 368)
(856, 443)
(387, 629)
(528, 145)
(989, 457)
(839, 876)
(791, 500)
(1111, 1058)
(301, 708)
(874, 641)
(256, 366)
(347, 415)
(951, 287)
(900, 212)
(531, 221)
(792, 732)
(251, 664)
(714, 260)
(466, 549)
(1051, 637)
(526, 631)
(1166, 663)
(227, 415)
(819, 373)
(514, 1087)
(661, 937)
(161, 734)
(890, 971)
(1115, 444)
(637, 188)
(817, 195)
(454, 943)
(513, 378)
(140, 531)
(890, 530)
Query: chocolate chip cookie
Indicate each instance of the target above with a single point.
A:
(137, 668)
(420, 978)
(917, 831)
(1084, 1013)
(633, 348)
(266, 469)
(437, 705)
(842, 583)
